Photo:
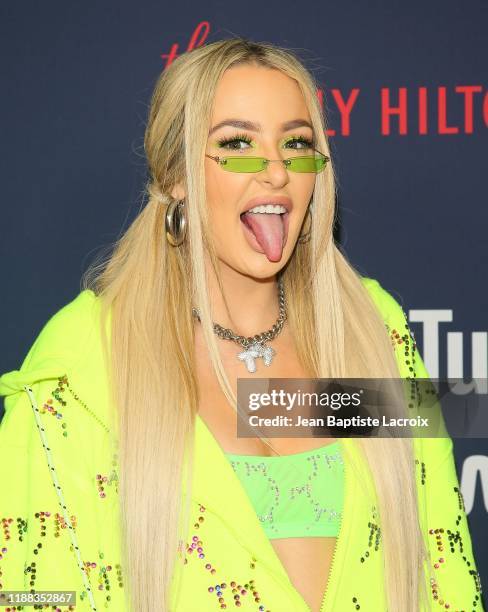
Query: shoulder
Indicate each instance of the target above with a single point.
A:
(391, 310)
(61, 343)
(66, 331)
(409, 360)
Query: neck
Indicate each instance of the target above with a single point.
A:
(252, 302)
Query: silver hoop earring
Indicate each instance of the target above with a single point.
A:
(306, 236)
(175, 222)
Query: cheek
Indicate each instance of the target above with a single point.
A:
(223, 189)
(223, 210)
(301, 197)
(218, 193)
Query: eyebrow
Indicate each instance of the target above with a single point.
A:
(256, 127)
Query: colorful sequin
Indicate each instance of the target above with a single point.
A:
(235, 592)
(421, 464)
(373, 534)
(67, 521)
(445, 537)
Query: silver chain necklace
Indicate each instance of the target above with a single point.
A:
(254, 346)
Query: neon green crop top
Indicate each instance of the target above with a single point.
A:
(295, 495)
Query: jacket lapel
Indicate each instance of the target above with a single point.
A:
(217, 487)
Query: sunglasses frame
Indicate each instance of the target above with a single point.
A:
(219, 161)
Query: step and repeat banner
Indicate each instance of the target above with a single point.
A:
(404, 87)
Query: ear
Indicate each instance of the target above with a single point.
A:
(178, 192)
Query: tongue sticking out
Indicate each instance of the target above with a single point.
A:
(268, 229)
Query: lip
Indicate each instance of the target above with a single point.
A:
(267, 199)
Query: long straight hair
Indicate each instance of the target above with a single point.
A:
(149, 288)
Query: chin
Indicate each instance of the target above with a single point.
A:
(260, 268)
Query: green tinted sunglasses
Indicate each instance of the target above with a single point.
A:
(303, 163)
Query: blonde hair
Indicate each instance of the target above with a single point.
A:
(150, 287)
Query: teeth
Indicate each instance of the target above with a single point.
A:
(268, 208)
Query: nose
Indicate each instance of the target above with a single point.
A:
(275, 172)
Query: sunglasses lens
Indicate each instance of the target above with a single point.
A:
(306, 163)
(243, 164)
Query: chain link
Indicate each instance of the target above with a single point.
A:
(228, 334)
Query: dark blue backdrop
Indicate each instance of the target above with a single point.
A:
(76, 84)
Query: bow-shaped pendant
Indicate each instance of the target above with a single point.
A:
(255, 350)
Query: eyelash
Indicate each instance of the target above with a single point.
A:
(225, 141)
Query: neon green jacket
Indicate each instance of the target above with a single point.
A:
(58, 498)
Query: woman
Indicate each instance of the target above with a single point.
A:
(142, 506)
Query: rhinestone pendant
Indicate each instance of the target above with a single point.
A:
(255, 350)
